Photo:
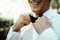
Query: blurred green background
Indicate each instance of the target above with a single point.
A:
(56, 5)
(6, 23)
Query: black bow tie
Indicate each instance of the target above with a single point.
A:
(33, 19)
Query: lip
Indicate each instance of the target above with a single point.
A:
(35, 2)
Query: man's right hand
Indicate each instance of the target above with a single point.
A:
(22, 21)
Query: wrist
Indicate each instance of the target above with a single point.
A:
(17, 28)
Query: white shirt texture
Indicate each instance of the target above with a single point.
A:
(29, 33)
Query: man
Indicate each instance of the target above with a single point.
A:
(46, 27)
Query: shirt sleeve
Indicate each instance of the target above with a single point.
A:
(13, 35)
(49, 34)
(56, 24)
(53, 33)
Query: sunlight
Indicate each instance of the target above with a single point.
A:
(13, 8)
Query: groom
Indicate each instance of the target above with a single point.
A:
(46, 23)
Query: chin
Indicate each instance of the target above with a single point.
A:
(37, 9)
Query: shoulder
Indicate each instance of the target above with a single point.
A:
(56, 24)
(56, 18)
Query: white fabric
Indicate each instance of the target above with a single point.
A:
(29, 33)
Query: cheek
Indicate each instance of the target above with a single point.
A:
(29, 1)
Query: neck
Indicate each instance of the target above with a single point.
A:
(45, 7)
(40, 13)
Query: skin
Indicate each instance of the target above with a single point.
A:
(22, 21)
(38, 7)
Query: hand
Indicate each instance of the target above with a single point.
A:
(41, 24)
(21, 22)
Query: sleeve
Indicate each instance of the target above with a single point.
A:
(56, 24)
(13, 35)
(53, 33)
(49, 34)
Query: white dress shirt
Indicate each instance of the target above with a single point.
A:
(29, 33)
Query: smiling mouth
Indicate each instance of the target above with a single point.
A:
(35, 3)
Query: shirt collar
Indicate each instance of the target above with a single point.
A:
(50, 13)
